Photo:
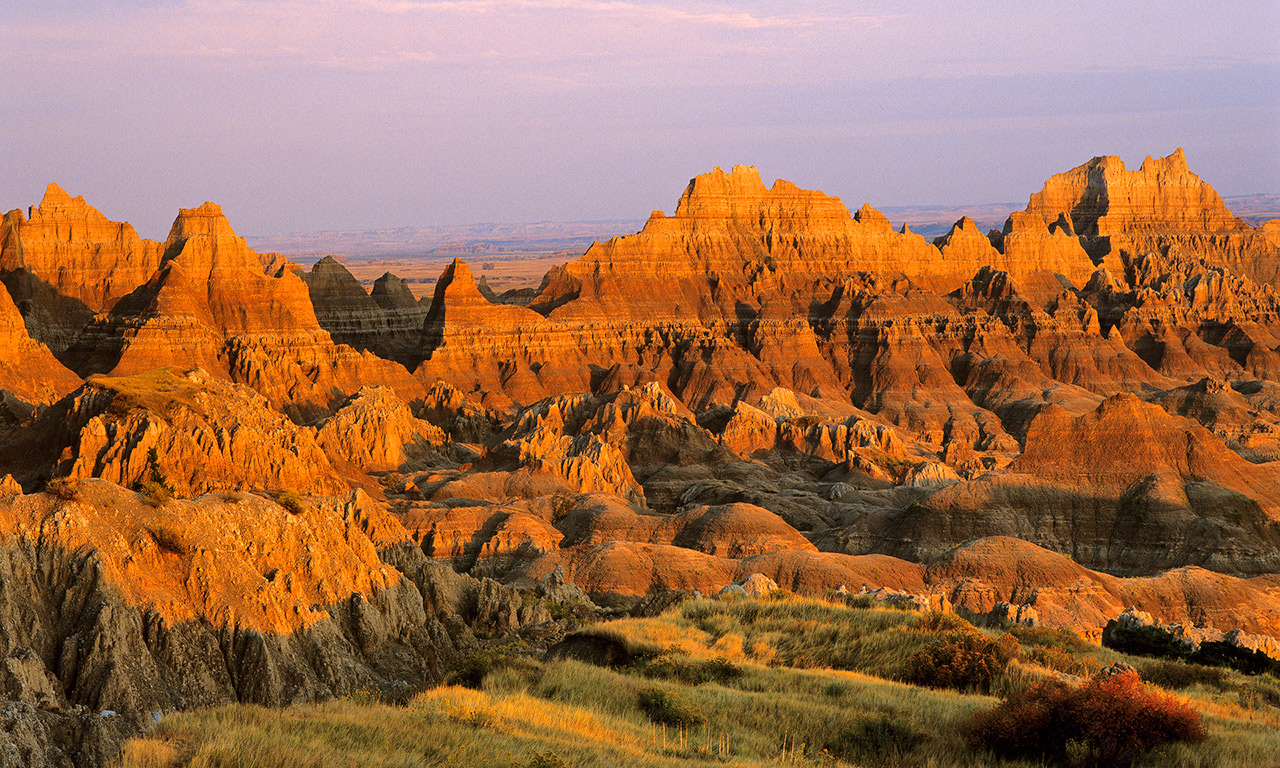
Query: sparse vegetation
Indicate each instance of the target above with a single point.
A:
(154, 494)
(170, 539)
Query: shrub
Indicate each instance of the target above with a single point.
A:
(154, 494)
(548, 759)
(1059, 660)
(1111, 721)
(1142, 641)
(875, 736)
(1051, 638)
(477, 665)
(960, 660)
(1219, 653)
(170, 539)
(670, 666)
(668, 707)
(291, 502)
(1178, 675)
(939, 621)
(62, 488)
(1156, 642)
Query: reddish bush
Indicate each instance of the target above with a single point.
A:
(964, 660)
(1111, 721)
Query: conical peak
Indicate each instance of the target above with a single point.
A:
(866, 214)
(328, 264)
(57, 201)
(394, 290)
(55, 195)
(456, 280)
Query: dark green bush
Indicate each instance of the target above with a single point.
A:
(548, 759)
(1142, 641)
(875, 736)
(671, 666)
(479, 664)
(291, 502)
(668, 707)
(1219, 653)
(1178, 675)
(960, 660)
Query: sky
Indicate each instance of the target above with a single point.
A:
(306, 115)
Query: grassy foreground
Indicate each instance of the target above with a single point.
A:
(789, 681)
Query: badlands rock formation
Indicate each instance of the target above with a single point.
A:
(1069, 417)
(107, 302)
(386, 321)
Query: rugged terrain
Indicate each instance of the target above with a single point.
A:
(233, 478)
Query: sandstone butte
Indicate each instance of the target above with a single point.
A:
(1077, 414)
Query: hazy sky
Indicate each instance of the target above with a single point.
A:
(300, 115)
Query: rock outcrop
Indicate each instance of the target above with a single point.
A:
(27, 368)
(376, 432)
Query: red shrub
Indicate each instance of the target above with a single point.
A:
(1112, 720)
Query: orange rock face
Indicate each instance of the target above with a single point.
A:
(27, 368)
(182, 429)
(66, 261)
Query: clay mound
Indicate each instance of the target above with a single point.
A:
(481, 539)
(734, 530)
(181, 428)
(632, 569)
(598, 518)
(816, 572)
(1125, 440)
(982, 573)
(375, 431)
(1228, 415)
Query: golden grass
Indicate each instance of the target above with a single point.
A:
(781, 706)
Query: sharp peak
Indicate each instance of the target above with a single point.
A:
(56, 195)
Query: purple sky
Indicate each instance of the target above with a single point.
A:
(300, 115)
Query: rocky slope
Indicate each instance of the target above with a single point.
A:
(112, 606)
